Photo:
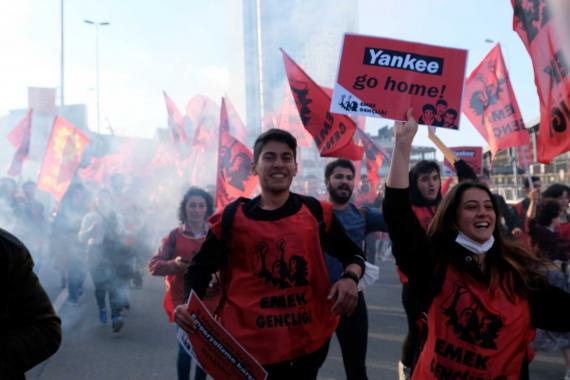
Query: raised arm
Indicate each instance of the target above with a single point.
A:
(410, 245)
(404, 135)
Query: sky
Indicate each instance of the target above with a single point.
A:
(185, 47)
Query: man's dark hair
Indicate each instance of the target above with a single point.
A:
(195, 191)
(441, 101)
(556, 190)
(339, 163)
(422, 167)
(526, 184)
(427, 107)
(451, 111)
(274, 134)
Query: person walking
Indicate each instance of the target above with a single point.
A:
(272, 249)
(173, 258)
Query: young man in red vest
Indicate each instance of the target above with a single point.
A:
(274, 251)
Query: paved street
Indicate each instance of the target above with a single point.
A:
(146, 347)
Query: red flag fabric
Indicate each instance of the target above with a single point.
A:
(290, 121)
(237, 128)
(375, 156)
(204, 114)
(544, 30)
(101, 168)
(167, 158)
(126, 158)
(333, 133)
(234, 178)
(490, 104)
(63, 155)
(20, 137)
(175, 121)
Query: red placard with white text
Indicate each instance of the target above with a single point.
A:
(382, 77)
(472, 155)
(218, 353)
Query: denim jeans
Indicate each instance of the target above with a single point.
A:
(183, 362)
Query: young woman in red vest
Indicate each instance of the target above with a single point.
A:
(174, 255)
(425, 195)
(483, 295)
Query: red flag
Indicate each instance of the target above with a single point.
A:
(175, 122)
(237, 128)
(63, 155)
(20, 137)
(375, 156)
(234, 178)
(290, 121)
(166, 158)
(204, 114)
(101, 168)
(544, 31)
(490, 104)
(333, 133)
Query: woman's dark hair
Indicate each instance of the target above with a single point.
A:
(506, 257)
(546, 211)
(274, 134)
(192, 192)
(556, 190)
(423, 167)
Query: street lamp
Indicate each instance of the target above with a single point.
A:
(97, 24)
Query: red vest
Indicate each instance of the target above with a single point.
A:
(564, 230)
(472, 335)
(424, 215)
(276, 287)
(186, 247)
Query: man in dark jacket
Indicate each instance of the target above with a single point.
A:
(30, 331)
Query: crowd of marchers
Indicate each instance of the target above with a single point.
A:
(478, 276)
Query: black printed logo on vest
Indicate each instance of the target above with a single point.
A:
(280, 271)
(470, 322)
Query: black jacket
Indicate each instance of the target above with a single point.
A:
(425, 267)
(30, 331)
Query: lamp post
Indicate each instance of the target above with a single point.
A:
(97, 24)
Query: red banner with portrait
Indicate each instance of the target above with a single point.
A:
(383, 77)
(332, 133)
(490, 104)
(544, 28)
(63, 155)
(234, 178)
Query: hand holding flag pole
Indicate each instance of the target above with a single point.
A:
(448, 153)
